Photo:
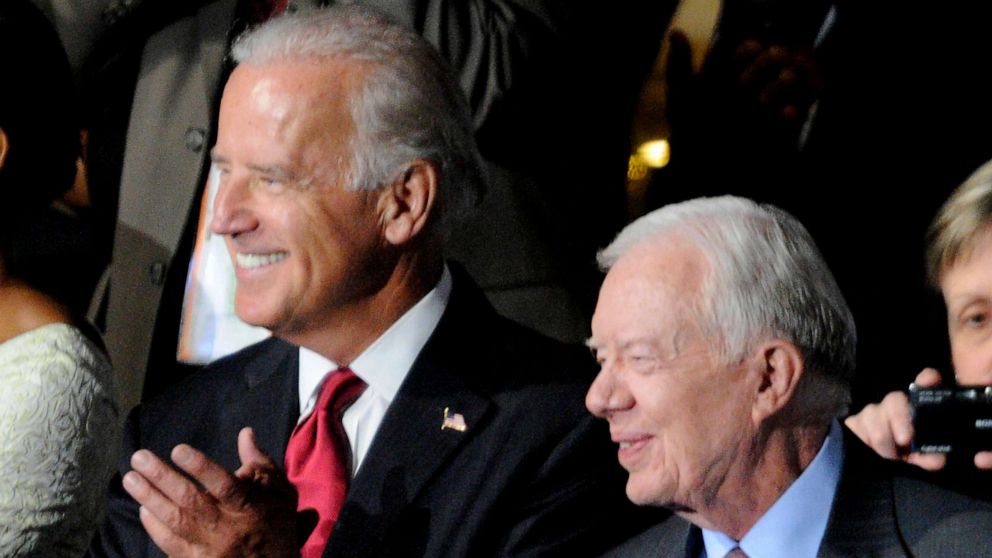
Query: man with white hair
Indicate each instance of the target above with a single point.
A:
(726, 351)
(412, 420)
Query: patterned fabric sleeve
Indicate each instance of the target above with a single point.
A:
(58, 441)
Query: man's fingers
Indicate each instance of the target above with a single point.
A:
(162, 535)
(215, 479)
(249, 452)
(153, 502)
(259, 468)
(256, 465)
(165, 479)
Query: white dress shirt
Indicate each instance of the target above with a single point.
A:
(383, 366)
(795, 524)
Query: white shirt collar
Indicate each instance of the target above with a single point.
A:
(386, 362)
(795, 524)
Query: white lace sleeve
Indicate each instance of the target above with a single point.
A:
(58, 442)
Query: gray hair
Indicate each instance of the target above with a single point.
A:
(963, 218)
(407, 107)
(767, 280)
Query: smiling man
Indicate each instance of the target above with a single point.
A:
(411, 419)
(726, 351)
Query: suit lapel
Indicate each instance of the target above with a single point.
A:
(268, 400)
(411, 445)
(681, 540)
(862, 521)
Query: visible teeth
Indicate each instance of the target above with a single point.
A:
(250, 261)
(625, 445)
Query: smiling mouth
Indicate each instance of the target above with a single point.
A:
(252, 261)
(631, 446)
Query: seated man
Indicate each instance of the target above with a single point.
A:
(726, 351)
(343, 147)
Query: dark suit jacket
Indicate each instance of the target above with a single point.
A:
(534, 473)
(882, 509)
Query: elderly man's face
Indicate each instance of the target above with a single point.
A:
(967, 288)
(302, 246)
(680, 416)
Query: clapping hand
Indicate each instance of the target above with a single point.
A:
(212, 512)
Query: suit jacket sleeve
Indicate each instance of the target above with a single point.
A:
(122, 535)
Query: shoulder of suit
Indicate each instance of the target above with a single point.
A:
(219, 377)
(936, 520)
(472, 330)
(668, 537)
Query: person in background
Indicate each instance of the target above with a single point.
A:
(58, 416)
(726, 353)
(959, 265)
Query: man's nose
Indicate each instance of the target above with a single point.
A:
(230, 205)
(607, 395)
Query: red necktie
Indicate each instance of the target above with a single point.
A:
(318, 457)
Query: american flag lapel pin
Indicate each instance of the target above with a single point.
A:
(454, 421)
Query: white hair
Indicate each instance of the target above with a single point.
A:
(767, 280)
(407, 107)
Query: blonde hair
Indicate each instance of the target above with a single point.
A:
(963, 218)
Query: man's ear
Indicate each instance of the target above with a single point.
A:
(782, 368)
(4, 146)
(405, 204)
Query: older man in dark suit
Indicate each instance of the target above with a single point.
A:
(726, 351)
(412, 420)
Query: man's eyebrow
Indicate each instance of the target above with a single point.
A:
(592, 343)
(273, 170)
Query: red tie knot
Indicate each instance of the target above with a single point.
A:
(341, 388)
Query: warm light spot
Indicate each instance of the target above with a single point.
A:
(654, 154)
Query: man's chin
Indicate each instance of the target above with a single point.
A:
(638, 494)
(653, 496)
(255, 317)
